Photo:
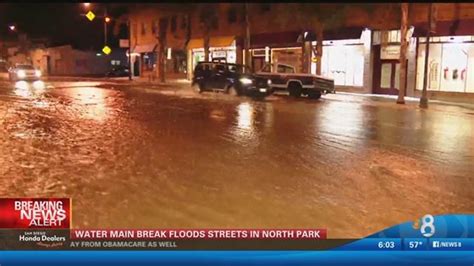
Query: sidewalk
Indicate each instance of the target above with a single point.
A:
(183, 86)
(125, 80)
(409, 100)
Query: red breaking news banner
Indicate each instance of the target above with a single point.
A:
(55, 213)
(200, 234)
(34, 213)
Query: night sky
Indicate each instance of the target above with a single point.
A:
(62, 23)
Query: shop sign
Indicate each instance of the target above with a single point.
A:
(390, 52)
(219, 54)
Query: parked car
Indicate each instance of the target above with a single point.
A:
(119, 71)
(234, 79)
(284, 77)
(24, 72)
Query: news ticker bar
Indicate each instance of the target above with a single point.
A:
(61, 240)
(411, 244)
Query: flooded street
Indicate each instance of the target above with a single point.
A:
(130, 159)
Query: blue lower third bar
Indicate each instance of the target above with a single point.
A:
(451, 244)
(231, 258)
(387, 244)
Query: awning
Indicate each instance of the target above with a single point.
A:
(343, 34)
(145, 48)
(280, 39)
(225, 41)
(294, 38)
(446, 28)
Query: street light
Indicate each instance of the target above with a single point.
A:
(90, 15)
(12, 27)
(107, 20)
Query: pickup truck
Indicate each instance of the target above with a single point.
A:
(284, 77)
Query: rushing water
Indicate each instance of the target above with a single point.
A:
(138, 160)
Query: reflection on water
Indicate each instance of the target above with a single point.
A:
(245, 117)
(29, 90)
(349, 118)
(217, 114)
(342, 121)
(39, 85)
(244, 130)
(22, 89)
(91, 101)
(449, 133)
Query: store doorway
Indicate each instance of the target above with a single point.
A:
(387, 75)
(258, 63)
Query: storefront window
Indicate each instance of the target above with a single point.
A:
(448, 67)
(288, 56)
(227, 54)
(397, 76)
(149, 61)
(386, 75)
(344, 63)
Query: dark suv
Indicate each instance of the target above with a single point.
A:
(234, 79)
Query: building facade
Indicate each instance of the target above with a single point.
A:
(362, 54)
(65, 61)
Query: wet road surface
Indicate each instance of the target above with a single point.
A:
(130, 159)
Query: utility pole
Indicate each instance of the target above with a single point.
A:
(424, 94)
(403, 54)
(248, 58)
(105, 25)
(130, 70)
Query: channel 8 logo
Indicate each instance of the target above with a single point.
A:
(427, 228)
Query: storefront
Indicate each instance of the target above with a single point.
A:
(346, 53)
(176, 63)
(282, 47)
(386, 65)
(343, 60)
(450, 64)
(227, 54)
(346, 60)
(289, 56)
(221, 49)
(147, 59)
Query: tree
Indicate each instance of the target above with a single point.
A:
(403, 52)
(162, 41)
(208, 21)
(244, 11)
(316, 18)
(432, 11)
(165, 13)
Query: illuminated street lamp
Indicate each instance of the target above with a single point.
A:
(87, 4)
(12, 27)
(107, 19)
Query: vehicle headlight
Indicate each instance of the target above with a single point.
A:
(21, 73)
(38, 73)
(269, 82)
(246, 81)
